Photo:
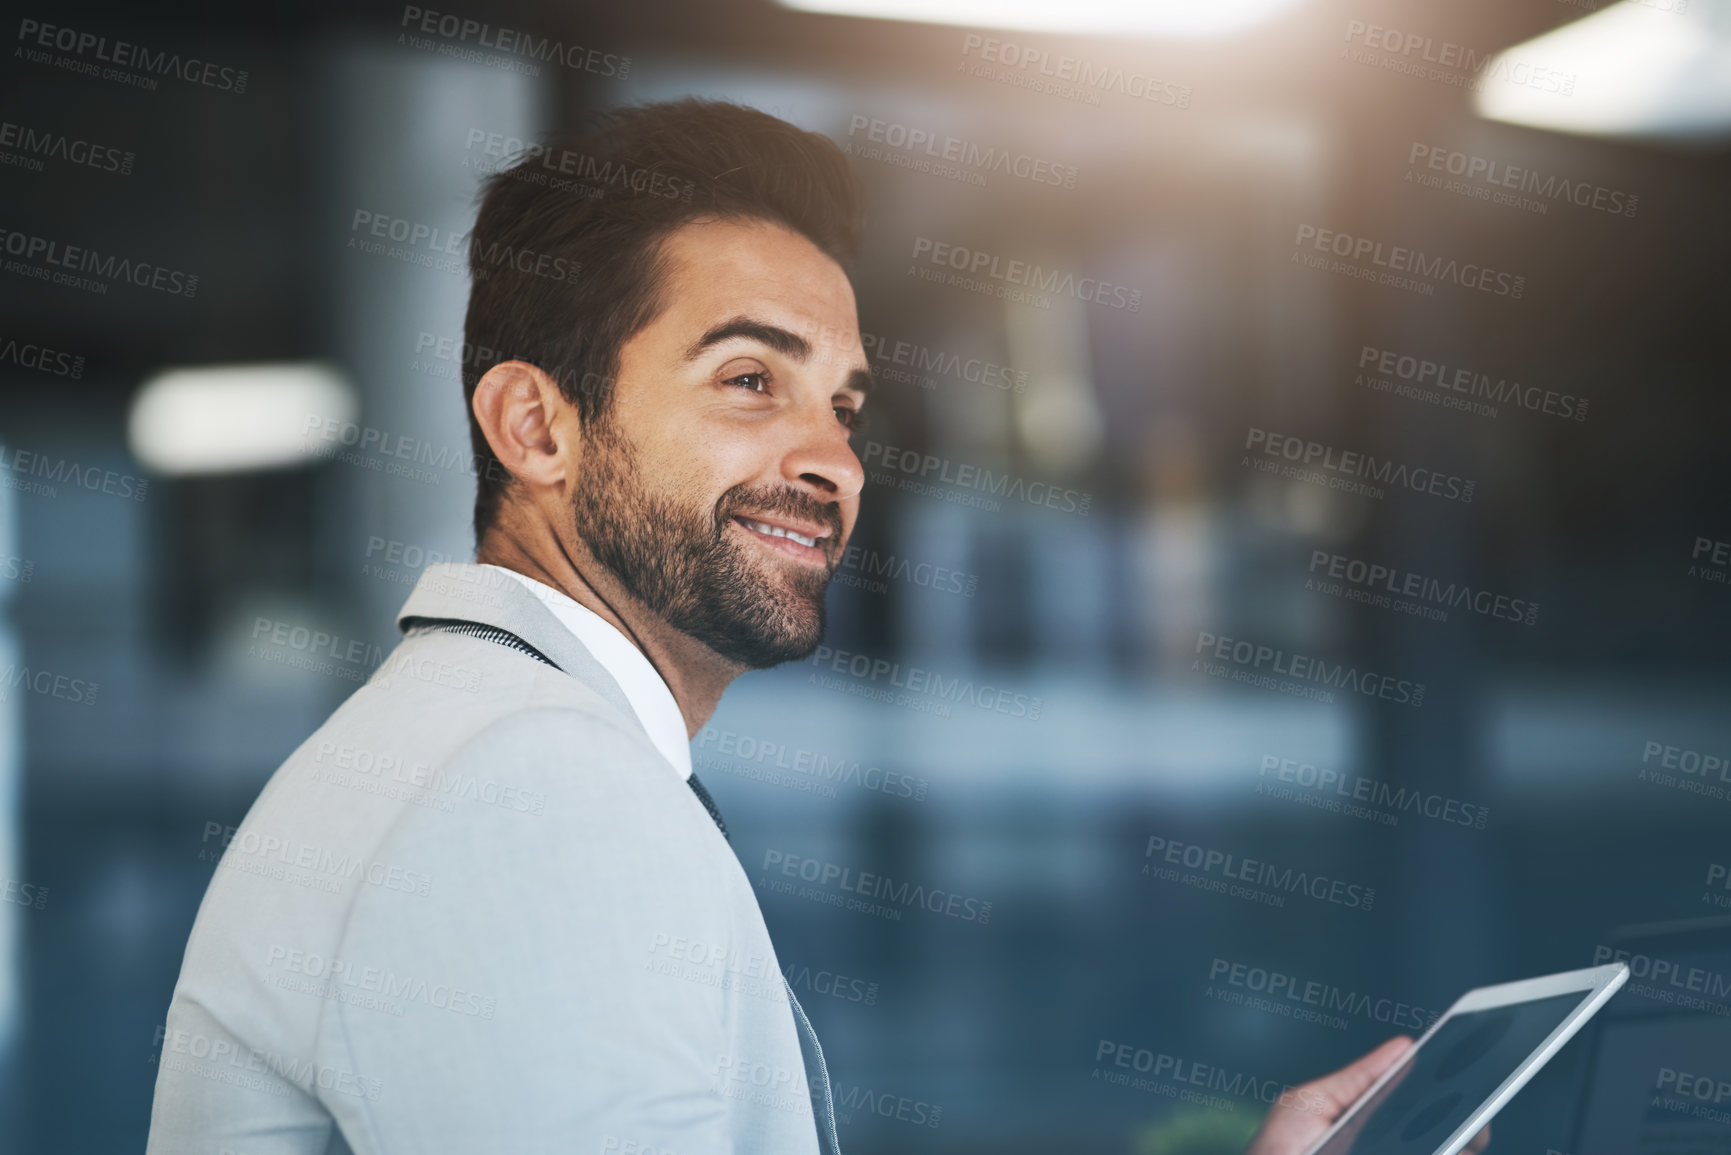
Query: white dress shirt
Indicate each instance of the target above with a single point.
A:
(644, 688)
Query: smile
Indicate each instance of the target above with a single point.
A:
(785, 539)
(777, 531)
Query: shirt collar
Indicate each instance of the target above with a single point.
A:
(643, 685)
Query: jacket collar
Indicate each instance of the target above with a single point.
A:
(475, 593)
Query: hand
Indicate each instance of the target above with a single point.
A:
(1301, 1115)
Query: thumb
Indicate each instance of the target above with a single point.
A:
(1343, 1087)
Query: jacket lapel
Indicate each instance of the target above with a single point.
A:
(816, 1078)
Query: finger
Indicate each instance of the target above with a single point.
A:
(1343, 1087)
(1480, 1142)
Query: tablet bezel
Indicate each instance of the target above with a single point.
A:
(1596, 984)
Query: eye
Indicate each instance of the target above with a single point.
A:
(849, 416)
(758, 376)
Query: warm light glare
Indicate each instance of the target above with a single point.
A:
(1154, 18)
(1659, 68)
(233, 418)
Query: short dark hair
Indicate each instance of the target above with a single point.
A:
(566, 254)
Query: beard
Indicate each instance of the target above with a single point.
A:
(683, 565)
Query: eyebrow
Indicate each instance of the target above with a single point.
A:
(783, 341)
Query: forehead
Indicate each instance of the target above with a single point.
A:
(724, 268)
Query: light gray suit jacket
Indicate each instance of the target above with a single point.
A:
(478, 911)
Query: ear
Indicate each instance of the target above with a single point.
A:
(524, 417)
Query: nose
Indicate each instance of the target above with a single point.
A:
(820, 456)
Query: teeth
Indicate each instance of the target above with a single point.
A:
(777, 531)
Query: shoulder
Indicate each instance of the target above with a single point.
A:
(570, 746)
(569, 850)
(571, 788)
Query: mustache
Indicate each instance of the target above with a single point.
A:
(772, 500)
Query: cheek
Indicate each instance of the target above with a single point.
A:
(716, 458)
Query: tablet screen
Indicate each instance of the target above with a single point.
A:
(1450, 1077)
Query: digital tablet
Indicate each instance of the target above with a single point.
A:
(1470, 1062)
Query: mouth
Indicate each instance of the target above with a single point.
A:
(807, 543)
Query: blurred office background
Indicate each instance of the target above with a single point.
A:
(1190, 181)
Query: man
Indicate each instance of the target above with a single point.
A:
(487, 906)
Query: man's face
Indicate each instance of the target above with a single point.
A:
(721, 489)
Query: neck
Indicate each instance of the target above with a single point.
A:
(696, 674)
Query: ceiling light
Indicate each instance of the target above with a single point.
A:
(1187, 20)
(234, 418)
(1639, 68)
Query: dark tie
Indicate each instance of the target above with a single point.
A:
(708, 804)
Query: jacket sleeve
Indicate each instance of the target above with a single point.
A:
(497, 974)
